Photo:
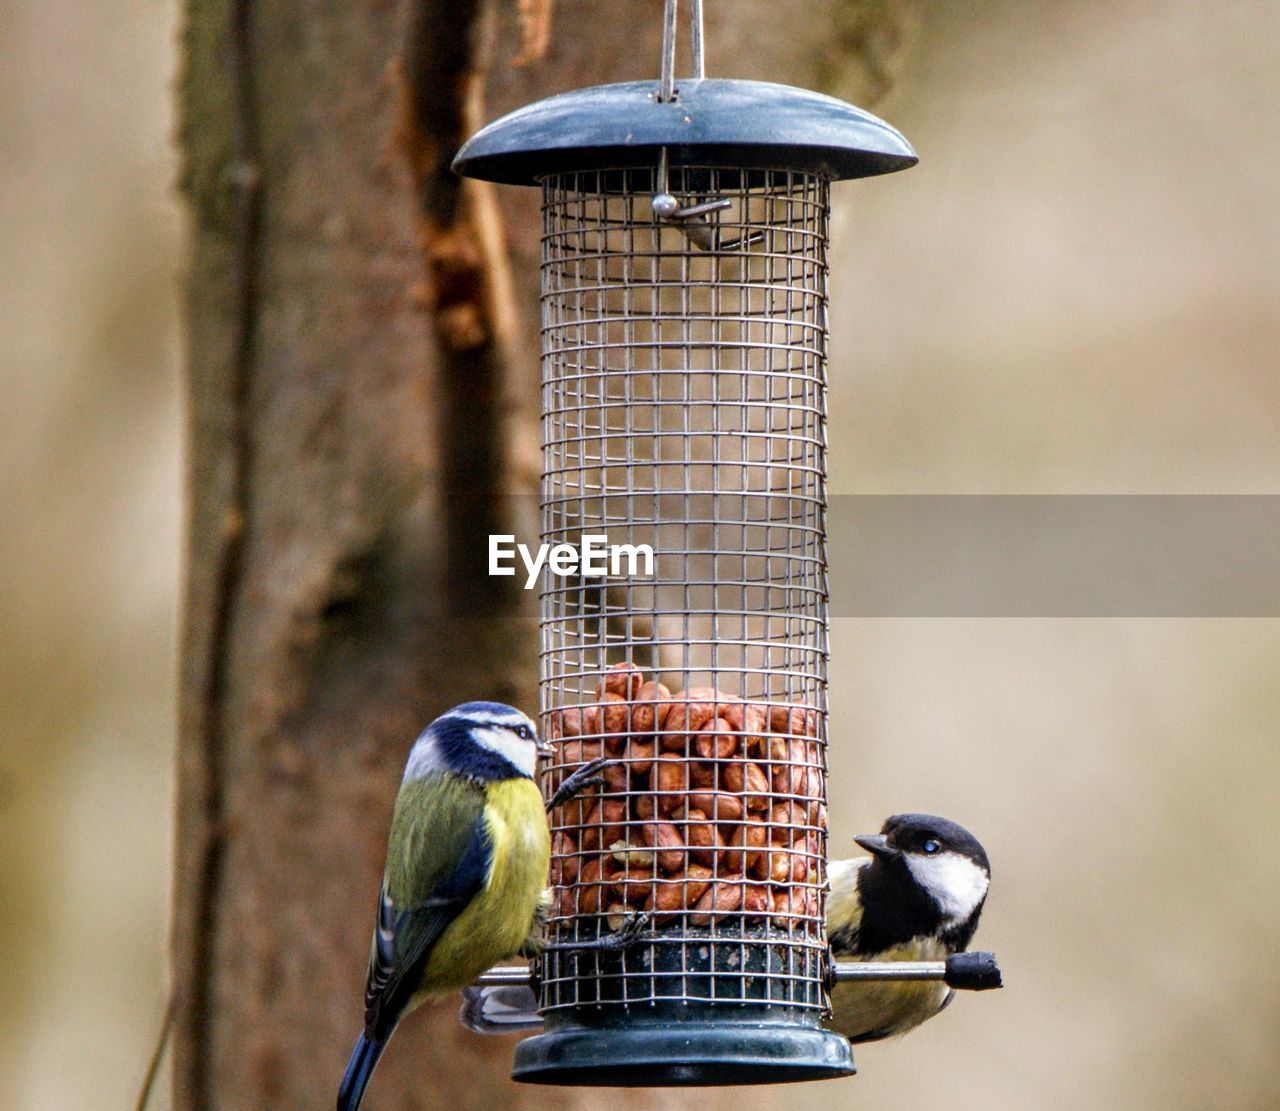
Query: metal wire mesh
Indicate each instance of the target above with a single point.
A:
(684, 408)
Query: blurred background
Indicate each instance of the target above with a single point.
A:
(1075, 292)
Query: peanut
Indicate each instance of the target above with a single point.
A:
(792, 777)
(747, 719)
(603, 824)
(788, 816)
(564, 858)
(775, 749)
(623, 679)
(668, 846)
(692, 709)
(799, 868)
(811, 844)
(591, 883)
(652, 703)
(703, 839)
(745, 841)
(613, 813)
(716, 740)
(800, 721)
(671, 781)
(631, 856)
(721, 898)
(744, 778)
(702, 775)
(673, 896)
(640, 754)
(635, 886)
(774, 866)
(720, 805)
(755, 899)
(809, 900)
(589, 834)
(574, 812)
(617, 778)
(566, 902)
(673, 742)
(615, 714)
(616, 916)
(573, 753)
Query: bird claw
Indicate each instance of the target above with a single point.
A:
(620, 940)
(587, 776)
(628, 933)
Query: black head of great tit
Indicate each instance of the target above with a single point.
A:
(917, 897)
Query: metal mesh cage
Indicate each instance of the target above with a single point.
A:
(683, 405)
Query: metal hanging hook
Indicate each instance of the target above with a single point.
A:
(695, 38)
(667, 78)
(688, 218)
(670, 18)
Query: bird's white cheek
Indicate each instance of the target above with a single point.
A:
(519, 752)
(955, 882)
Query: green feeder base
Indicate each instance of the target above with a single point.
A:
(680, 1045)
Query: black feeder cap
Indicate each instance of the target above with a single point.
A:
(747, 124)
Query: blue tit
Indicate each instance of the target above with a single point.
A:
(466, 868)
(917, 897)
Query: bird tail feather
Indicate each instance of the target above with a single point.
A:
(364, 1058)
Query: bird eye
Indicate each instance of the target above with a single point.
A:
(931, 846)
(525, 732)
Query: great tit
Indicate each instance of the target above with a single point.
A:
(466, 868)
(918, 897)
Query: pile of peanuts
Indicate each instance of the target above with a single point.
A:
(714, 808)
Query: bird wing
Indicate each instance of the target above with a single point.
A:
(440, 858)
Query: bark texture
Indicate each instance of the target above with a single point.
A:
(361, 369)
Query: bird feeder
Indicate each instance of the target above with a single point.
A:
(684, 336)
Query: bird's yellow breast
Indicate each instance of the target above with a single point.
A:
(497, 922)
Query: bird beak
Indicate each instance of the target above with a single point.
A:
(545, 748)
(875, 844)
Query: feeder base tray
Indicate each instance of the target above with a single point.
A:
(682, 1054)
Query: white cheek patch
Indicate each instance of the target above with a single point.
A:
(519, 752)
(956, 884)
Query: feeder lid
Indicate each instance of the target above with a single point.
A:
(748, 124)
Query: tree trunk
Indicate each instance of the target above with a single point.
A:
(361, 397)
